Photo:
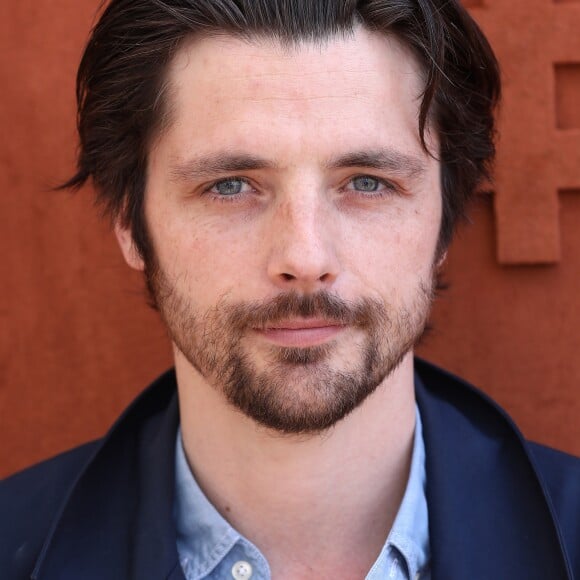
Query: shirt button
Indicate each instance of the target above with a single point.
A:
(242, 570)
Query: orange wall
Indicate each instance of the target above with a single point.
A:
(77, 341)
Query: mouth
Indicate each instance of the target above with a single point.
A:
(301, 333)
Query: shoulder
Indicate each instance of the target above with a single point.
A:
(34, 502)
(465, 424)
(29, 501)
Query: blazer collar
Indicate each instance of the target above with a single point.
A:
(489, 516)
(117, 521)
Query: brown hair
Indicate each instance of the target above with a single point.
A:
(120, 84)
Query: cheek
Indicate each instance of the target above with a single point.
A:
(390, 258)
(207, 261)
(405, 240)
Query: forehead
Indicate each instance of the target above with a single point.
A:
(246, 93)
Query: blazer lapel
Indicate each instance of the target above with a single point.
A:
(117, 522)
(488, 513)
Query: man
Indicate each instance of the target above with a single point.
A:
(287, 175)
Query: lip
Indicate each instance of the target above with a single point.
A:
(301, 332)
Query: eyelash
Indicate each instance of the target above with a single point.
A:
(389, 189)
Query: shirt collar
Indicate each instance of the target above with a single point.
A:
(410, 532)
(197, 518)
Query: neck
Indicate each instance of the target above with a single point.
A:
(296, 498)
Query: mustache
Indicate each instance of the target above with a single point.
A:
(363, 312)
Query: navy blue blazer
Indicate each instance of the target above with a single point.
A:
(500, 508)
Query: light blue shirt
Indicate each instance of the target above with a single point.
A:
(210, 549)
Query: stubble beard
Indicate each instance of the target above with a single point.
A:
(299, 391)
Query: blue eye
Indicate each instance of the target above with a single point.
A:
(366, 183)
(229, 187)
(369, 186)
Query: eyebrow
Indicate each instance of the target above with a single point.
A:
(384, 159)
(209, 165)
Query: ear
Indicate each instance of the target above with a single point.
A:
(128, 248)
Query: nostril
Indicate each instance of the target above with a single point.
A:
(288, 277)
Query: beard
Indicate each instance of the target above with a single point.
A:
(292, 390)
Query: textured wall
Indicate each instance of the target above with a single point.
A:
(77, 341)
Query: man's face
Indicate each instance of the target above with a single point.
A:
(294, 218)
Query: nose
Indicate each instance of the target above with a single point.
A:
(303, 254)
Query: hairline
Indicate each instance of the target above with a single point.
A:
(163, 106)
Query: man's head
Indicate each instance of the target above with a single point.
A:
(288, 175)
(123, 95)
